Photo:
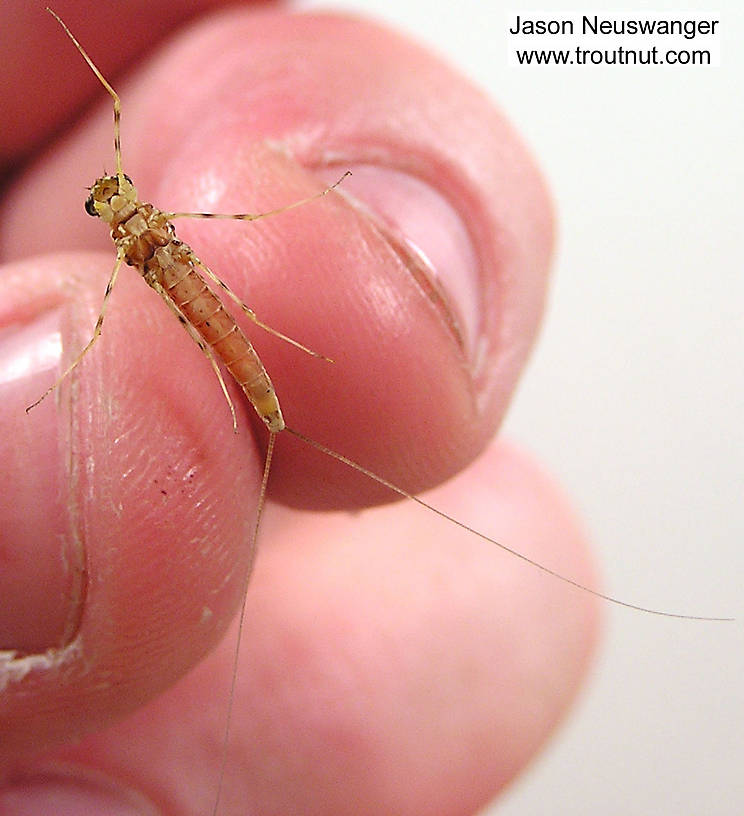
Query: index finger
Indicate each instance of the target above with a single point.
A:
(426, 284)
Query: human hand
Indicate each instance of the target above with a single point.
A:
(390, 663)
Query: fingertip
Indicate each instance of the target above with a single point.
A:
(363, 276)
(423, 274)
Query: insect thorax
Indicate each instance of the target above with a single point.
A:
(137, 228)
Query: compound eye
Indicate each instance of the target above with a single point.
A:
(90, 207)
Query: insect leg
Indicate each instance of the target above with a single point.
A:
(256, 216)
(252, 315)
(111, 91)
(96, 333)
(196, 337)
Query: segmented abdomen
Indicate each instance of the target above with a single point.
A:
(172, 267)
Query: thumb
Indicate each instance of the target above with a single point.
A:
(134, 516)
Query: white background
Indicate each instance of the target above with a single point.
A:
(635, 396)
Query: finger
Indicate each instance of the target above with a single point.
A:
(427, 353)
(33, 51)
(137, 521)
(388, 665)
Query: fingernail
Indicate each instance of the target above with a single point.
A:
(40, 565)
(426, 230)
(72, 794)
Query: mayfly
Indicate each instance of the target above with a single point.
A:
(145, 238)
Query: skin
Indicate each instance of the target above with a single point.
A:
(390, 663)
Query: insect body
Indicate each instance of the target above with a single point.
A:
(146, 240)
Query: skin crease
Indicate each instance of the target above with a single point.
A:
(390, 664)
